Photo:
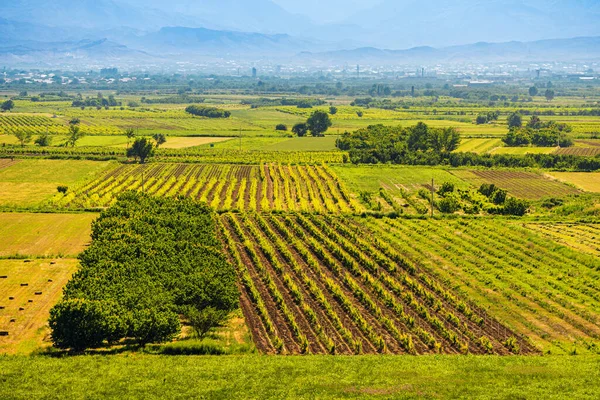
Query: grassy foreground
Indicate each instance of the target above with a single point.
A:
(253, 376)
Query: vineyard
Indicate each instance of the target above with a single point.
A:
(534, 285)
(579, 151)
(224, 187)
(35, 124)
(325, 285)
(525, 185)
(580, 237)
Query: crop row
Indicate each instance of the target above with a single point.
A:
(539, 290)
(224, 187)
(315, 284)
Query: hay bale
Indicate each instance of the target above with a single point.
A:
(3, 277)
(3, 333)
(52, 262)
(24, 284)
(26, 261)
(21, 309)
(49, 280)
(13, 320)
(11, 298)
(2, 307)
(38, 293)
(30, 301)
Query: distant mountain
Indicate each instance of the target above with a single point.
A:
(576, 49)
(201, 41)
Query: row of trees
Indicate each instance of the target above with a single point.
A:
(208, 112)
(536, 132)
(150, 261)
(317, 124)
(379, 143)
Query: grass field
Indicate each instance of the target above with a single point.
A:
(525, 185)
(323, 377)
(479, 146)
(523, 150)
(44, 235)
(30, 182)
(590, 182)
(28, 292)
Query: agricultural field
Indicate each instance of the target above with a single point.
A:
(579, 151)
(29, 288)
(44, 235)
(590, 182)
(479, 146)
(224, 187)
(314, 284)
(581, 237)
(532, 284)
(525, 185)
(29, 183)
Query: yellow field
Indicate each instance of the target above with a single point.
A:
(44, 235)
(588, 181)
(30, 182)
(24, 309)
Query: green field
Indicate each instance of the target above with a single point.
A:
(323, 377)
(29, 183)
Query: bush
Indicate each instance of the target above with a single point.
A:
(208, 112)
(281, 127)
(62, 189)
(447, 187)
(449, 205)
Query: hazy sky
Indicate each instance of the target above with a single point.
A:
(326, 10)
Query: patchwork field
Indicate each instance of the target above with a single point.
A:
(44, 235)
(28, 289)
(479, 146)
(525, 185)
(31, 182)
(316, 284)
(224, 187)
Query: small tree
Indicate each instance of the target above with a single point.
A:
(203, 321)
(481, 119)
(23, 137)
(281, 127)
(142, 148)
(75, 133)
(515, 121)
(160, 139)
(300, 129)
(130, 133)
(333, 110)
(533, 91)
(44, 140)
(7, 105)
(318, 123)
(549, 94)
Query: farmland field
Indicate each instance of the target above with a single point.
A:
(313, 285)
(28, 290)
(44, 235)
(579, 151)
(590, 182)
(581, 237)
(479, 146)
(526, 185)
(533, 285)
(31, 182)
(224, 187)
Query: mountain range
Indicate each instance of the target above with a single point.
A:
(189, 30)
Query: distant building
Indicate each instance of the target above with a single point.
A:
(254, 72)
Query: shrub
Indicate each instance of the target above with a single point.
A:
(206, 319)
(281, 127)
(449, 205)
(62, 189)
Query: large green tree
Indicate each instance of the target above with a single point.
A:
(75, 133)
(318, 123)
(7, 105)
(300, 129)
(142, 148)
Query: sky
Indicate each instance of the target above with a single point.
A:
(326, 10)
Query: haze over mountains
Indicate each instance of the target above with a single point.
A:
(317, 30)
